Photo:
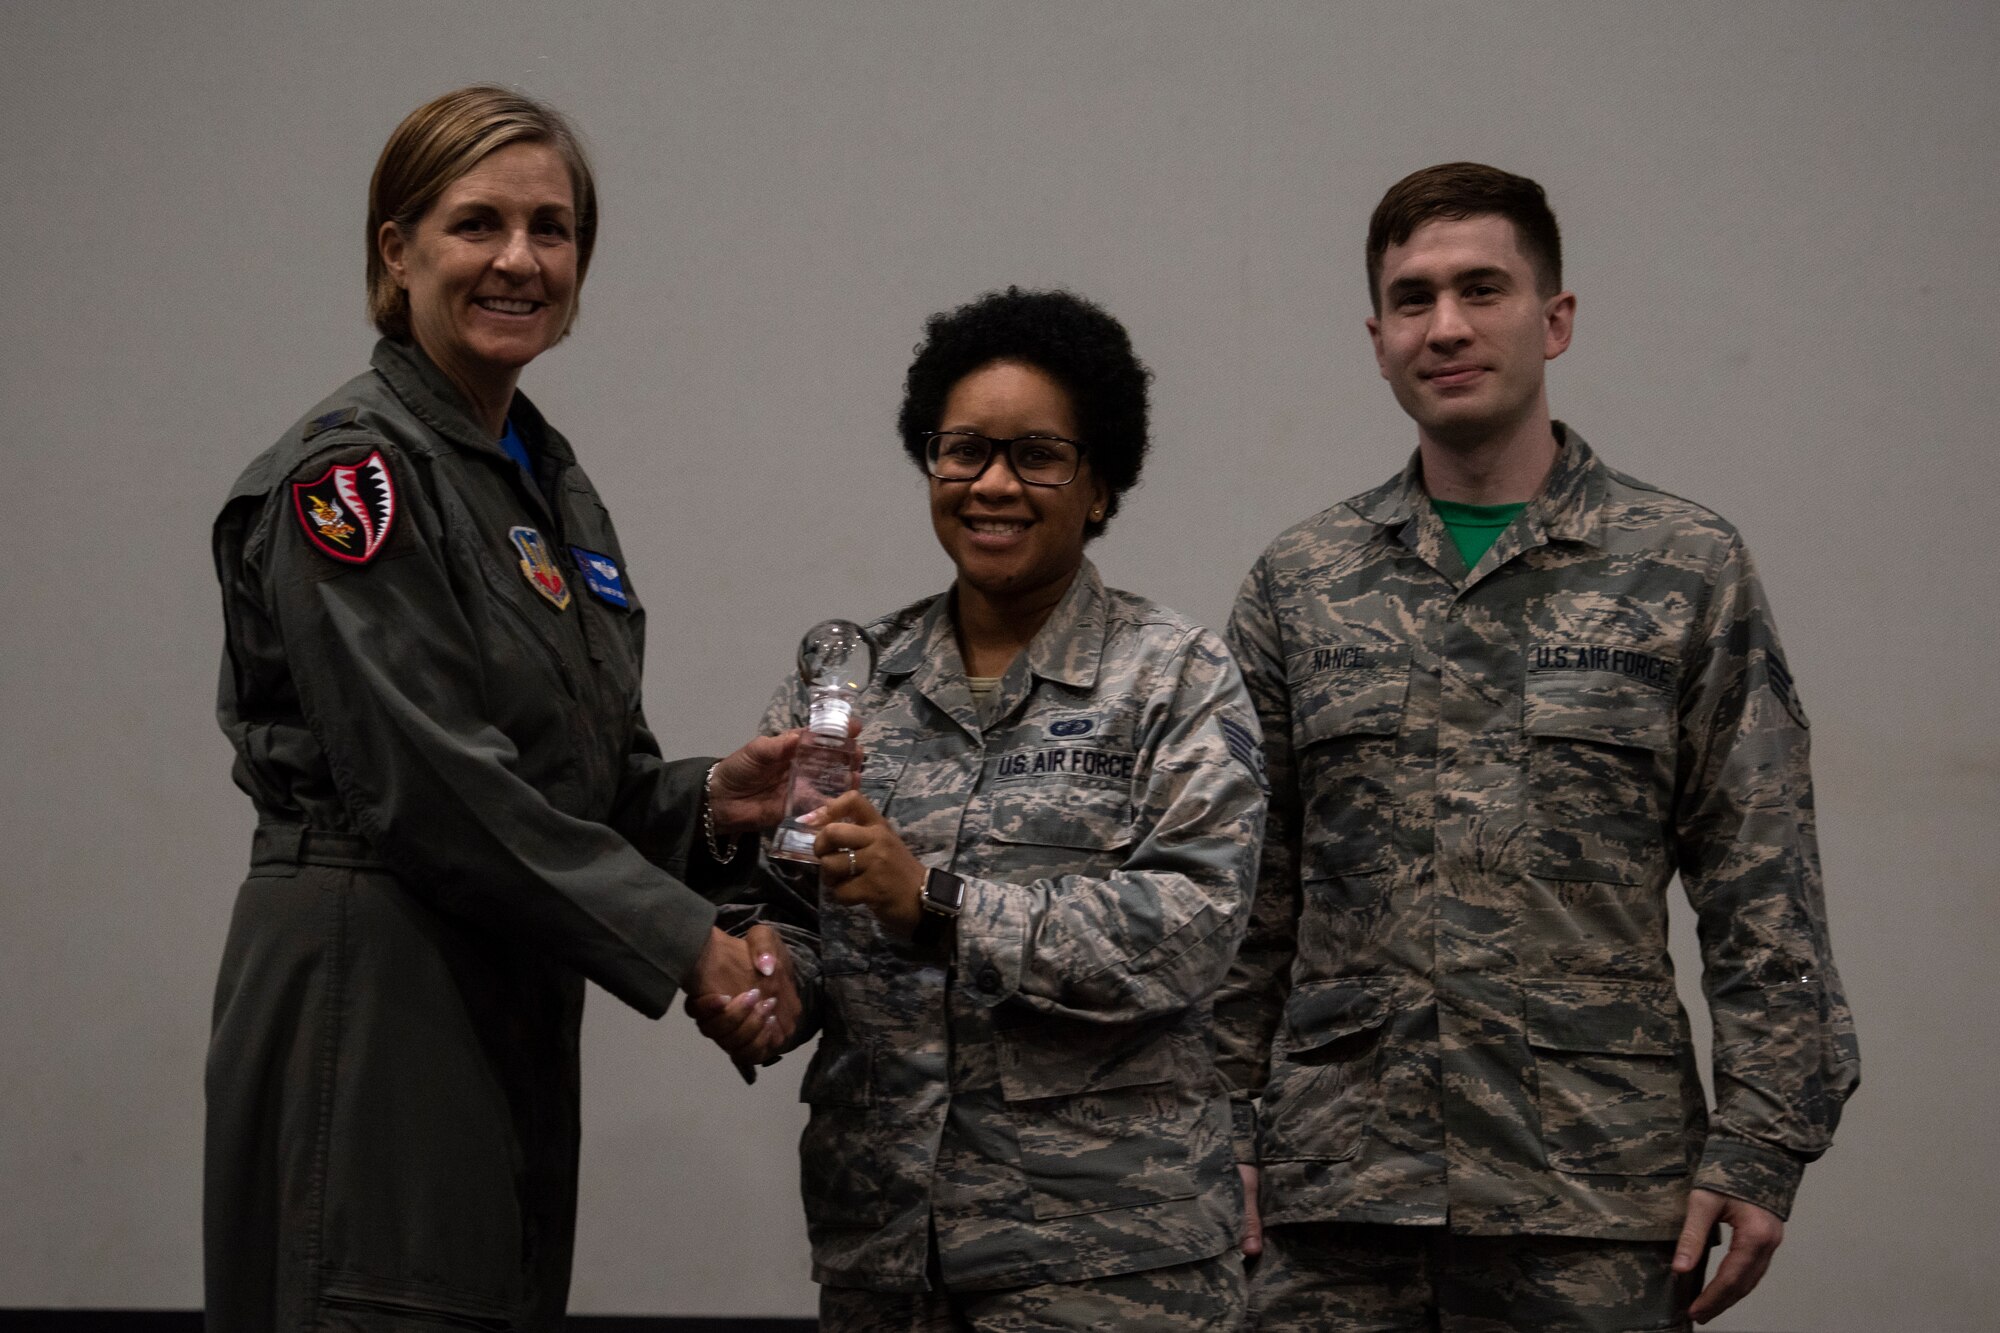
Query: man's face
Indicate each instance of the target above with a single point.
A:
(1463, 333)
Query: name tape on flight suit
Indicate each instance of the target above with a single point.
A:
(601, 576)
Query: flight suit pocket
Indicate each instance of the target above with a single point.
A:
(1600, 765)
(1345, 726)
(1097, 1116)
(1324, 1072)
(354, 1301)
(1608, 1076)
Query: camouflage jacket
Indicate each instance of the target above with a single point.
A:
(1454, 1002)
(1042, 1090)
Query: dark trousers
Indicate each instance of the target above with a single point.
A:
(1338, 1277)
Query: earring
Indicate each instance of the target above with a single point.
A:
(1096, 513)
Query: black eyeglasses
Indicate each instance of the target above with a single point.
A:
(1038, 460)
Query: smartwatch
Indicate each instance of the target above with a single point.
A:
(944, 894)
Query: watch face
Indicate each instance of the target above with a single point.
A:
(943, 892)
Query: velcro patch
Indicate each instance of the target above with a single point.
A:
(602, 577)
(325, 422)
(348, 512)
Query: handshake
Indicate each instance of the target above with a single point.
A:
(743, 993)
(743, 996)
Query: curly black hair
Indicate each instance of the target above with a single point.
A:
(1073, 341)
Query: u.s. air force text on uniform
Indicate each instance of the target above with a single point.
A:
(1454, 1004)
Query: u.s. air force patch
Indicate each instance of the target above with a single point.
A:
(349, 511)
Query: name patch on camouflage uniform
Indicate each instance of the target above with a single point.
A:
(1649, 668)
(348, 512)
(539, 568)
(1344, 659)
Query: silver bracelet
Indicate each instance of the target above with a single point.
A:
(722, 855)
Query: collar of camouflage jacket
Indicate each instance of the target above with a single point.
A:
(421, 387)
(1066, 648)
(1568, 508)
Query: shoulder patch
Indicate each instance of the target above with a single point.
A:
(320, 425)
(349, 511)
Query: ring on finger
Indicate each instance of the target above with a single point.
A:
(853, 866)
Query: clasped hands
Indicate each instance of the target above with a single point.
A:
(743, 993)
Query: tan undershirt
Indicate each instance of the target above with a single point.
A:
(985, 693)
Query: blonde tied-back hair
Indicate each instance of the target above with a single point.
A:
(441, 141)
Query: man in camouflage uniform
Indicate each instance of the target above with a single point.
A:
(1015, 1119)
(1461, 1067)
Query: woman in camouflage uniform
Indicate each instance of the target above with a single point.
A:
(1024, 909)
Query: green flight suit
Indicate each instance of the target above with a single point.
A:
(461, 816)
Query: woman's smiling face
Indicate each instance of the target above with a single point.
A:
(491, 267)
(1011, 541)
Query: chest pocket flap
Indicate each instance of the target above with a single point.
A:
(1621, 698)
(1347, 715)
(1349, 689)
(1059, 814)
(1600, 764)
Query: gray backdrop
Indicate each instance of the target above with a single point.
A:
(1782, 226)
